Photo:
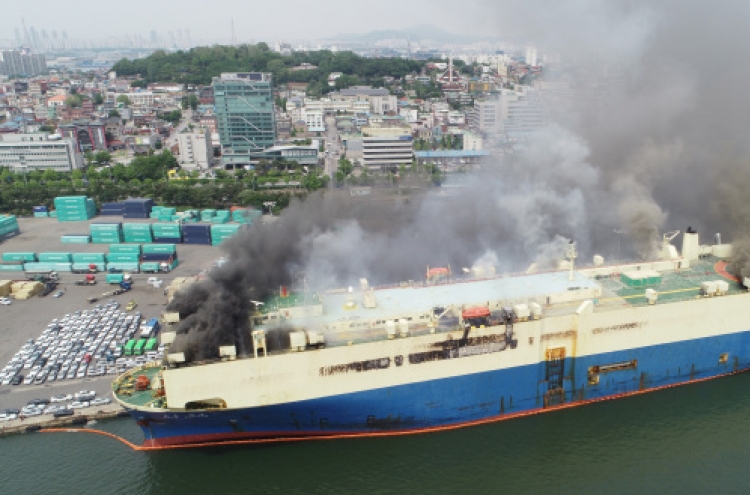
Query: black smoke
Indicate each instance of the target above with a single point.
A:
(648, 125)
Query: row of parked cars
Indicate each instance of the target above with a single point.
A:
(58, 405)
(84, 344)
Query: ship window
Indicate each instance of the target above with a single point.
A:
(723, 358)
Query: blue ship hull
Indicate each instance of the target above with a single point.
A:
(456, 401)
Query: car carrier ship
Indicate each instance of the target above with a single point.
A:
(453, 351)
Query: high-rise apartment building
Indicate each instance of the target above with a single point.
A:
(22, 63)
(244, 113)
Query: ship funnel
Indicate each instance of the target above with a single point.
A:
(690, 245)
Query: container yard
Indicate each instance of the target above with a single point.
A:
(153, 251)
(41, 239)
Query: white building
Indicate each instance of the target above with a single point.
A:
(314, 120)
(23, 152)
(196, 149)
(387, 148)
(139, 98)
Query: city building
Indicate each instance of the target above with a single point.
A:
(386, 148)
(245, 114)
(24, 152)
(139, 98)
(379, 100)
(22, 63)
(86, 135)
(196, 151)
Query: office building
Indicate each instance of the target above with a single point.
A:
(245, 114)
(24, 152)
(387, 148)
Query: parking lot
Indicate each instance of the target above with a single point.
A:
(88, 330)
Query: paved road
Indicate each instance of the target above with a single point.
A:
(187, 118)
(333, 147)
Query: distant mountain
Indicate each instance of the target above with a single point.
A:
(420, 32)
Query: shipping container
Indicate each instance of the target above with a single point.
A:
(75, 239)
(31, 257)
(114, 278)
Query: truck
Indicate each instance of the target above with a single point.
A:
(49, 287)
(42, 275)
(91, 269)
(150, 328)
(89, 280)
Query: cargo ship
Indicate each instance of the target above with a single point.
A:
(451, 351)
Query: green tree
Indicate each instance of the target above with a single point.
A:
(98, 99)
(74, 101)
(114, 113)
(102, 157)
(123, 99)
(193, 102)
(46, 128)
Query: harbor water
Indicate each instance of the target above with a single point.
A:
(690, 439)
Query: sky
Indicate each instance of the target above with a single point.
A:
(263, 20)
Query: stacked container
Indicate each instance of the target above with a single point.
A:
(82, 261)
(74, 208)
(245, 216)
(41, 212)
(75, 239)
(196, 234)
(137, 207)
(164, 255)
(163, 213)
(48, 266)
(19, 257)
(113, 209)
(207, 215)
(220, 233)
(11, 267)
(8, 227)
(106, 233)
(167, 233)
(137, 233)
(56, 257)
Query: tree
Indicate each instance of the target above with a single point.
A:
(74, 101)
(123, 99)
(102, 157)
(46, 128)
(98, 99)
(345, 166)
(114, 113)
(193, 102)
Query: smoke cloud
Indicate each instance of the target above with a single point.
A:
(648, 134)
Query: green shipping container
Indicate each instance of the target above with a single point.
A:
(56, 257)
(114, 278)
(11, 268)
(89, 258)
(150, 267)
(159, 248)
(124, 249)
(75, 239)
(30, 257)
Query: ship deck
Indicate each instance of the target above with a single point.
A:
(674, 285)
(123, 387)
